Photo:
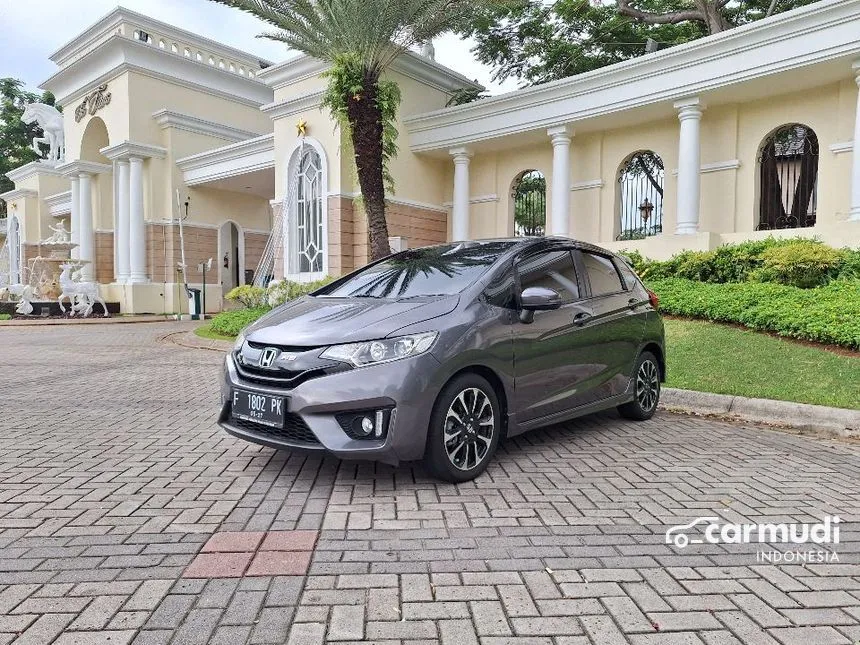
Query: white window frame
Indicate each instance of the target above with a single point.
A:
(292, 161)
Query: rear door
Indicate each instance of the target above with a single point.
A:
(548, 351)
(618, 319)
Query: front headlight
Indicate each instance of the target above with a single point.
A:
(385, 350)
(240, 340)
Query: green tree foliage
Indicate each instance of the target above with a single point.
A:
(16, 137)
(536, 41)
(361, 39)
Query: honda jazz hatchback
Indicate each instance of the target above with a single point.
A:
(438, 353)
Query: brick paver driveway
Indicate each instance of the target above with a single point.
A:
(114, 478)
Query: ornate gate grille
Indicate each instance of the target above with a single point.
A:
(640, 191)
(788, 165)
(530, 204)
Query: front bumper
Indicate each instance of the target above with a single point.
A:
(408, 387)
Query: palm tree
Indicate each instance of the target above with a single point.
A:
(361, 39)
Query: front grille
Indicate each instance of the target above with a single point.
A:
(295, 430)
(283, 378)
(284, 348)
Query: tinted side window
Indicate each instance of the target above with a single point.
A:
(627, 274)
(602, 274)
(553, 270)
(500, 289)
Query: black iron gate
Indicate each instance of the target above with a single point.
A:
(788, 166)
(640, 184)
(530, 204)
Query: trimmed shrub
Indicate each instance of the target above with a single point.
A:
(230, 323)
(248, 295)
(5, 316)
(801, 263)
(828, 314)
(282, 291)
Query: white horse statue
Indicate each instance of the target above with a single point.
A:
(80, 294)
(51, 121)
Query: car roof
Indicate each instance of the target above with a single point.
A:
(537, 241)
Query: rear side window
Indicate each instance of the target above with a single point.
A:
(553, 270)
(627, 274)
(602, 274)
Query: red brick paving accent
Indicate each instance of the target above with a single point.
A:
(233, 542)
(280, 563)
(273, 553)
(289, 541)
(218, 565)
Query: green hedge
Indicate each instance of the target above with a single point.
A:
(796, 262)
(828, 314)
(230, 323)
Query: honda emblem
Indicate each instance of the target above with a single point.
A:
(268, 356)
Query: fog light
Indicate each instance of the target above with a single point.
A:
(365, 424)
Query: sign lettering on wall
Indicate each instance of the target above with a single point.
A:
(93, 102)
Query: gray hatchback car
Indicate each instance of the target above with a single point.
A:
(441, 352)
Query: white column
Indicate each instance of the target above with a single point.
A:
(855, 169)
(75, 222)
(123, 261)
(460, 207)
(86, 250)
(689, 165)
(560, 219)
(136, 230)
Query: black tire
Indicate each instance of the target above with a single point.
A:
(470, 446)
(646, 389)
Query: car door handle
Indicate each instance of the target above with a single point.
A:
(581, 318)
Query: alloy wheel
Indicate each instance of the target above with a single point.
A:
(647, 385)
(469, 428)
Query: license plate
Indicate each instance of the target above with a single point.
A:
(259, 408)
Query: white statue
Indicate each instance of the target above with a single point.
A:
(25, 294)
(81, 295)
(428, 50)
(51, 122)
(60, 236)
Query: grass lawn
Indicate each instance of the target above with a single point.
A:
(709, 357)
(205, 331)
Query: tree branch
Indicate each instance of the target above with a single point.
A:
(672, 17)
(771, 8)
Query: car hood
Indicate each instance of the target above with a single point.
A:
(313, 322)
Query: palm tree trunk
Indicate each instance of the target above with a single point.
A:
(365, 120)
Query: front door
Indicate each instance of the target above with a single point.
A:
(549, 350)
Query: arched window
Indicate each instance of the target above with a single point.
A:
(306, 213)
(788, 178)
(529, 195)
(640, 196)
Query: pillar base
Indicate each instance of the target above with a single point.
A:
(158, 297)
(687, 229)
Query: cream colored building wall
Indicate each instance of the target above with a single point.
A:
(116, 116)
(416, 177)
(731, 137)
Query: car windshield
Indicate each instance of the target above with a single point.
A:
(431, 271)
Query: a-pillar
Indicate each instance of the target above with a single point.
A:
(689, 166)
(137, 231)
(86, 234)
(855, 169)
(123, 263)
(560, 181)
(460, 206)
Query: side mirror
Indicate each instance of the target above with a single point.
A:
(540, 299)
